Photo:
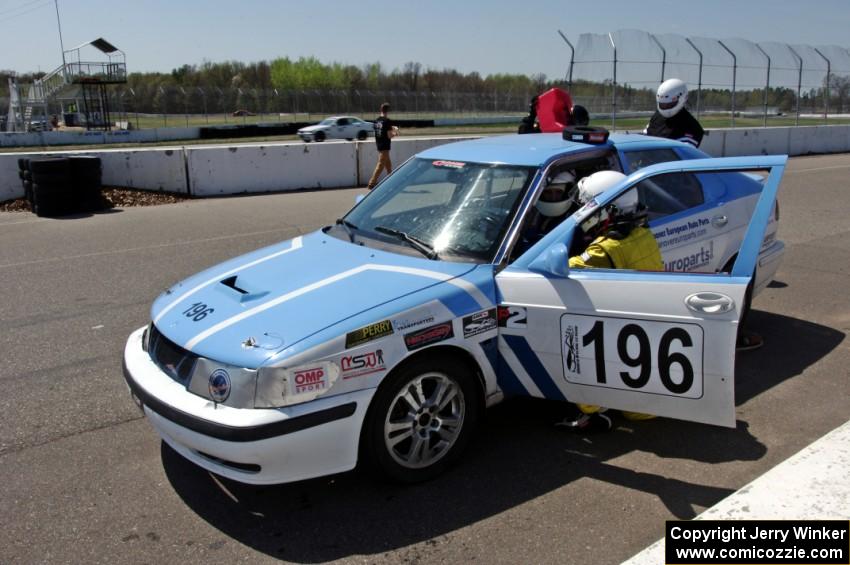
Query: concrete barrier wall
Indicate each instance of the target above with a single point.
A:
(10, 183)
(162, 169)
(215, 170)
(219, 169)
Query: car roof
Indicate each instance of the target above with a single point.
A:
(534, 149)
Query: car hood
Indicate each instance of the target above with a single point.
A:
(312, 129)
(245, 310)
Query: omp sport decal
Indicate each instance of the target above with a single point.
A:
(535, 369)
(296, 244)
(466, 286)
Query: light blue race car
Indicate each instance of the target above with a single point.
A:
(384, 336)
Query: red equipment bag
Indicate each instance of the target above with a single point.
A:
(553, 110)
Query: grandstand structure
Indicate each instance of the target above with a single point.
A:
(76, 91)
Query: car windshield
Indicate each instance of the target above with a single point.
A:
(460, 211)
(327, 122)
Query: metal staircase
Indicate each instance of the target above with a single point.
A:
(92, 76)
(23, 99)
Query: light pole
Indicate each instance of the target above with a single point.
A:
(59, 25)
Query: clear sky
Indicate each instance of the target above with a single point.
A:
(487, 36)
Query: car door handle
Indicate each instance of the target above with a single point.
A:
(719, 221)
(709, 303)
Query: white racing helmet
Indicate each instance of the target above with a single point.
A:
(593, 185)
(671, 97)
(555, 199)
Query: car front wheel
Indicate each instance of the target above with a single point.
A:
(319, 136)
(421, 420)
(361, 135)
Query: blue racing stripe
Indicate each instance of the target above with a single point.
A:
(534, 367)
(508, 381)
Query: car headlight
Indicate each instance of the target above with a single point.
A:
(146, 337)
(281, 386)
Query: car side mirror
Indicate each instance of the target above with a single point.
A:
(553, 262)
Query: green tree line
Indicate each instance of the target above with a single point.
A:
(307, 83)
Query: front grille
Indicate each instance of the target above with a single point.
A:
(170, 357)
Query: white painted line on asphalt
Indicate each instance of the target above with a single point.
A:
(144, 248)
(810, 485)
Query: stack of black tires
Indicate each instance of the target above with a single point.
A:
(59, 186)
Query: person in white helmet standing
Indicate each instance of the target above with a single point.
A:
(671, 119)
(620, 240)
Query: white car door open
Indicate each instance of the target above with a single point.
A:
(654, 342)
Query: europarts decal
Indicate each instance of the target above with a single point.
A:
(682, 232)
(368, 333)
(689, 262)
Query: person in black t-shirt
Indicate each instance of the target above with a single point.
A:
(384, 131)
(671, 120)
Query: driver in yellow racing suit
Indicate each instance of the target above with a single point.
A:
(621, 240)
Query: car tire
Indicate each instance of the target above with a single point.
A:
(319, 136)
(51, 178)
(59, 165)
(362, 134)
(51, 200)
(407, 437)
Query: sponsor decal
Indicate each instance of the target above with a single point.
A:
(687, 230)
(693, 261)
(571, 360)
(219, 385)
(428, 336)
(368, 333)
(450, 164)
(479, 323)
(311, 379)
(362, 364)
(512, 317)
(402, 324)
(304, 383)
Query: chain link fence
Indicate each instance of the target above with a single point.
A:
(159, 106)
(733, 77)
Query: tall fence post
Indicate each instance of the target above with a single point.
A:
(767, 86)
(663, 55)
(614, 92)
(826, 95)
(734, 77)
(799, 82)
(699, 76)
(204, 99)
(572, 58)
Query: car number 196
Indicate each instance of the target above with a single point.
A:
(637, 355)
